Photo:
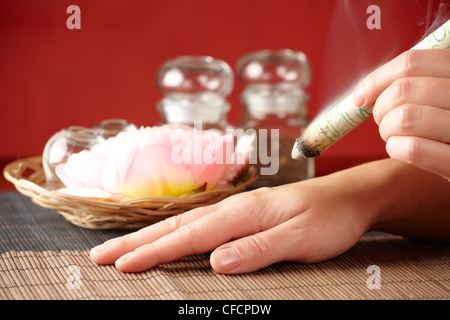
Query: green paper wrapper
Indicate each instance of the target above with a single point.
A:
(342, 116)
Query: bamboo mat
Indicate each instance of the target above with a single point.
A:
(44, 257)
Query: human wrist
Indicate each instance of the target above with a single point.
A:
(371, 190)
(416, 203)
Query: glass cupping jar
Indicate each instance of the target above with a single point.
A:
(194, 90)
(275, 101)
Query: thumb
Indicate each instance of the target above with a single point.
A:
(251, 253)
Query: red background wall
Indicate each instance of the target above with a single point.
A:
(52, 77)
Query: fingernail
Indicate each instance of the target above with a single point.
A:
(125, 257)
(227, 258)
(358, 97)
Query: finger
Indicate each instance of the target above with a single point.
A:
(422, 91)
(417, 120)
(255, 251)
(199, 236)
(427, 154)
(309, 237)
(111, 250)
(239, 217)
(412, 63)
(194, 238)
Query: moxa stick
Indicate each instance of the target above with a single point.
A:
(342, 116)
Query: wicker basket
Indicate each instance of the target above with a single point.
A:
(29, 179)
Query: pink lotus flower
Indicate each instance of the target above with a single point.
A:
(152, 161)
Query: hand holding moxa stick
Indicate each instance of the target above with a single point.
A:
(343, 116)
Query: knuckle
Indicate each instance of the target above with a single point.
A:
(257, 201)
(187, 230)
(410, 62)
(256, 246)
(188, 234)
(258, 194)
(401, 89)
(413, 150)
(172, 223)
(407, 116)
(250, 199)
(127, 238)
